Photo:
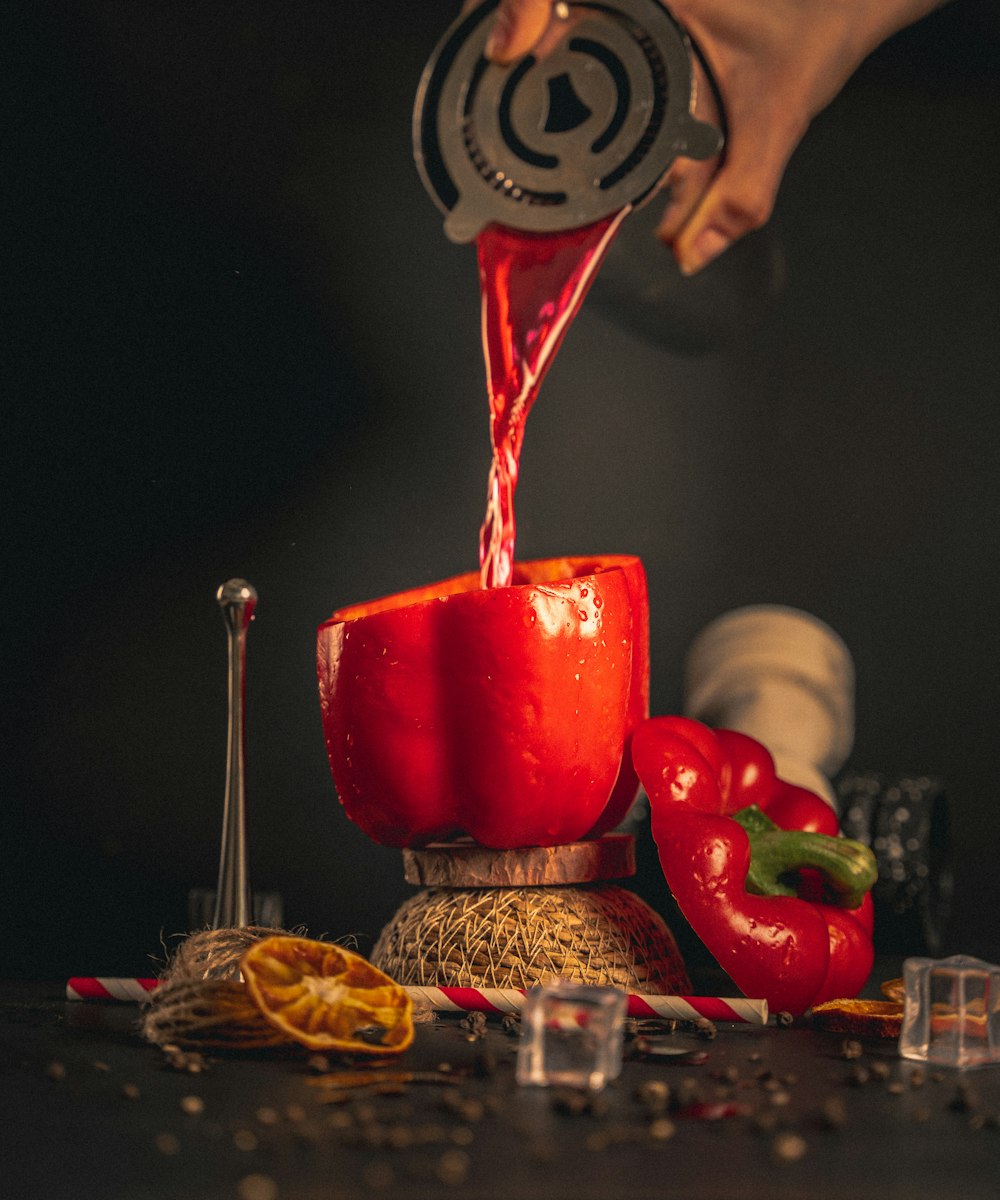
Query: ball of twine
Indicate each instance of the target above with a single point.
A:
(213, 1014)
(213, 953)
(520, 937)
(201, 1000)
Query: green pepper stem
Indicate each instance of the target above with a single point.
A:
(848, 867)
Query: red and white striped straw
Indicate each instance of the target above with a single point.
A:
(682, 1008)
(486, 1000)
(106, 987)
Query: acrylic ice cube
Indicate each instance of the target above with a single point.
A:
(951, 1012)
(571, 1036)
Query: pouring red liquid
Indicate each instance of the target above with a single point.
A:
(532, 287)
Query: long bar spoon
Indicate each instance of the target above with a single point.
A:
(233, 898)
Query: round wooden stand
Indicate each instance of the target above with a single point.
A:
(516, 918)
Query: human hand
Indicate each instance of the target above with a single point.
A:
(776, 64)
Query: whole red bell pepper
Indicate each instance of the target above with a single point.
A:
(504, 713)
(756, 866)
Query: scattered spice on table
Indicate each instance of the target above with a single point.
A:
(257, 1187)
(789, 1147)
(833, 1112)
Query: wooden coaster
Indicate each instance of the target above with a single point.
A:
(466, 864)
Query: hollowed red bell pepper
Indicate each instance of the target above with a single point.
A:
(788, 915)
(504, 713)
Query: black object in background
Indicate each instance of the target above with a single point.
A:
(906, 823)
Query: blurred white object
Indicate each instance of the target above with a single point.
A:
(785, 678)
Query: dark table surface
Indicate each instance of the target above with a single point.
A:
(89, 1109)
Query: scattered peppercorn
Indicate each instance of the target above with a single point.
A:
(257, 1187)
(850, 1049)
(784, 1019)
(467, 1108)
(575, 1102)
(167, 1143)
(662, 1129)
(686, 1092)
(192, 1105)
(654, 1095)
(474, 1023)
(765, 1121)
(56, 1071)
(183, 1060)
(963, 1100)
(788, 1147)
(485, 1064)
(833, 1113)
(453, 1167)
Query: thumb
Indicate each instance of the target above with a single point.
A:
(519, 24)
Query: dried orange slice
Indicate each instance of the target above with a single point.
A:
(326, 997)
(862, 1018)
(893, 989)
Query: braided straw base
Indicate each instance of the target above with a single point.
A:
(519, 937)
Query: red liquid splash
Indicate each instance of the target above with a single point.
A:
(532, 286)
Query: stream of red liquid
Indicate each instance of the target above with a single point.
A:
(532, 286)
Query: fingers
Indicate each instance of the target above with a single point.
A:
(685, 184)
(519, 25)
(739, 199)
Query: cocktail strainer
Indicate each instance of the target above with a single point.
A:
(559, 141)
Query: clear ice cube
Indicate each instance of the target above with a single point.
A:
(571, 1035)
(951, 1012)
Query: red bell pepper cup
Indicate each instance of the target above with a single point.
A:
(502, 713)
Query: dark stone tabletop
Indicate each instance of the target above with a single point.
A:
(90, 1110)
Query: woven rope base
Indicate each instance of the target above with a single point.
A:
(519, 937)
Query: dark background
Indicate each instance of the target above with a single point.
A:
(238, 343)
